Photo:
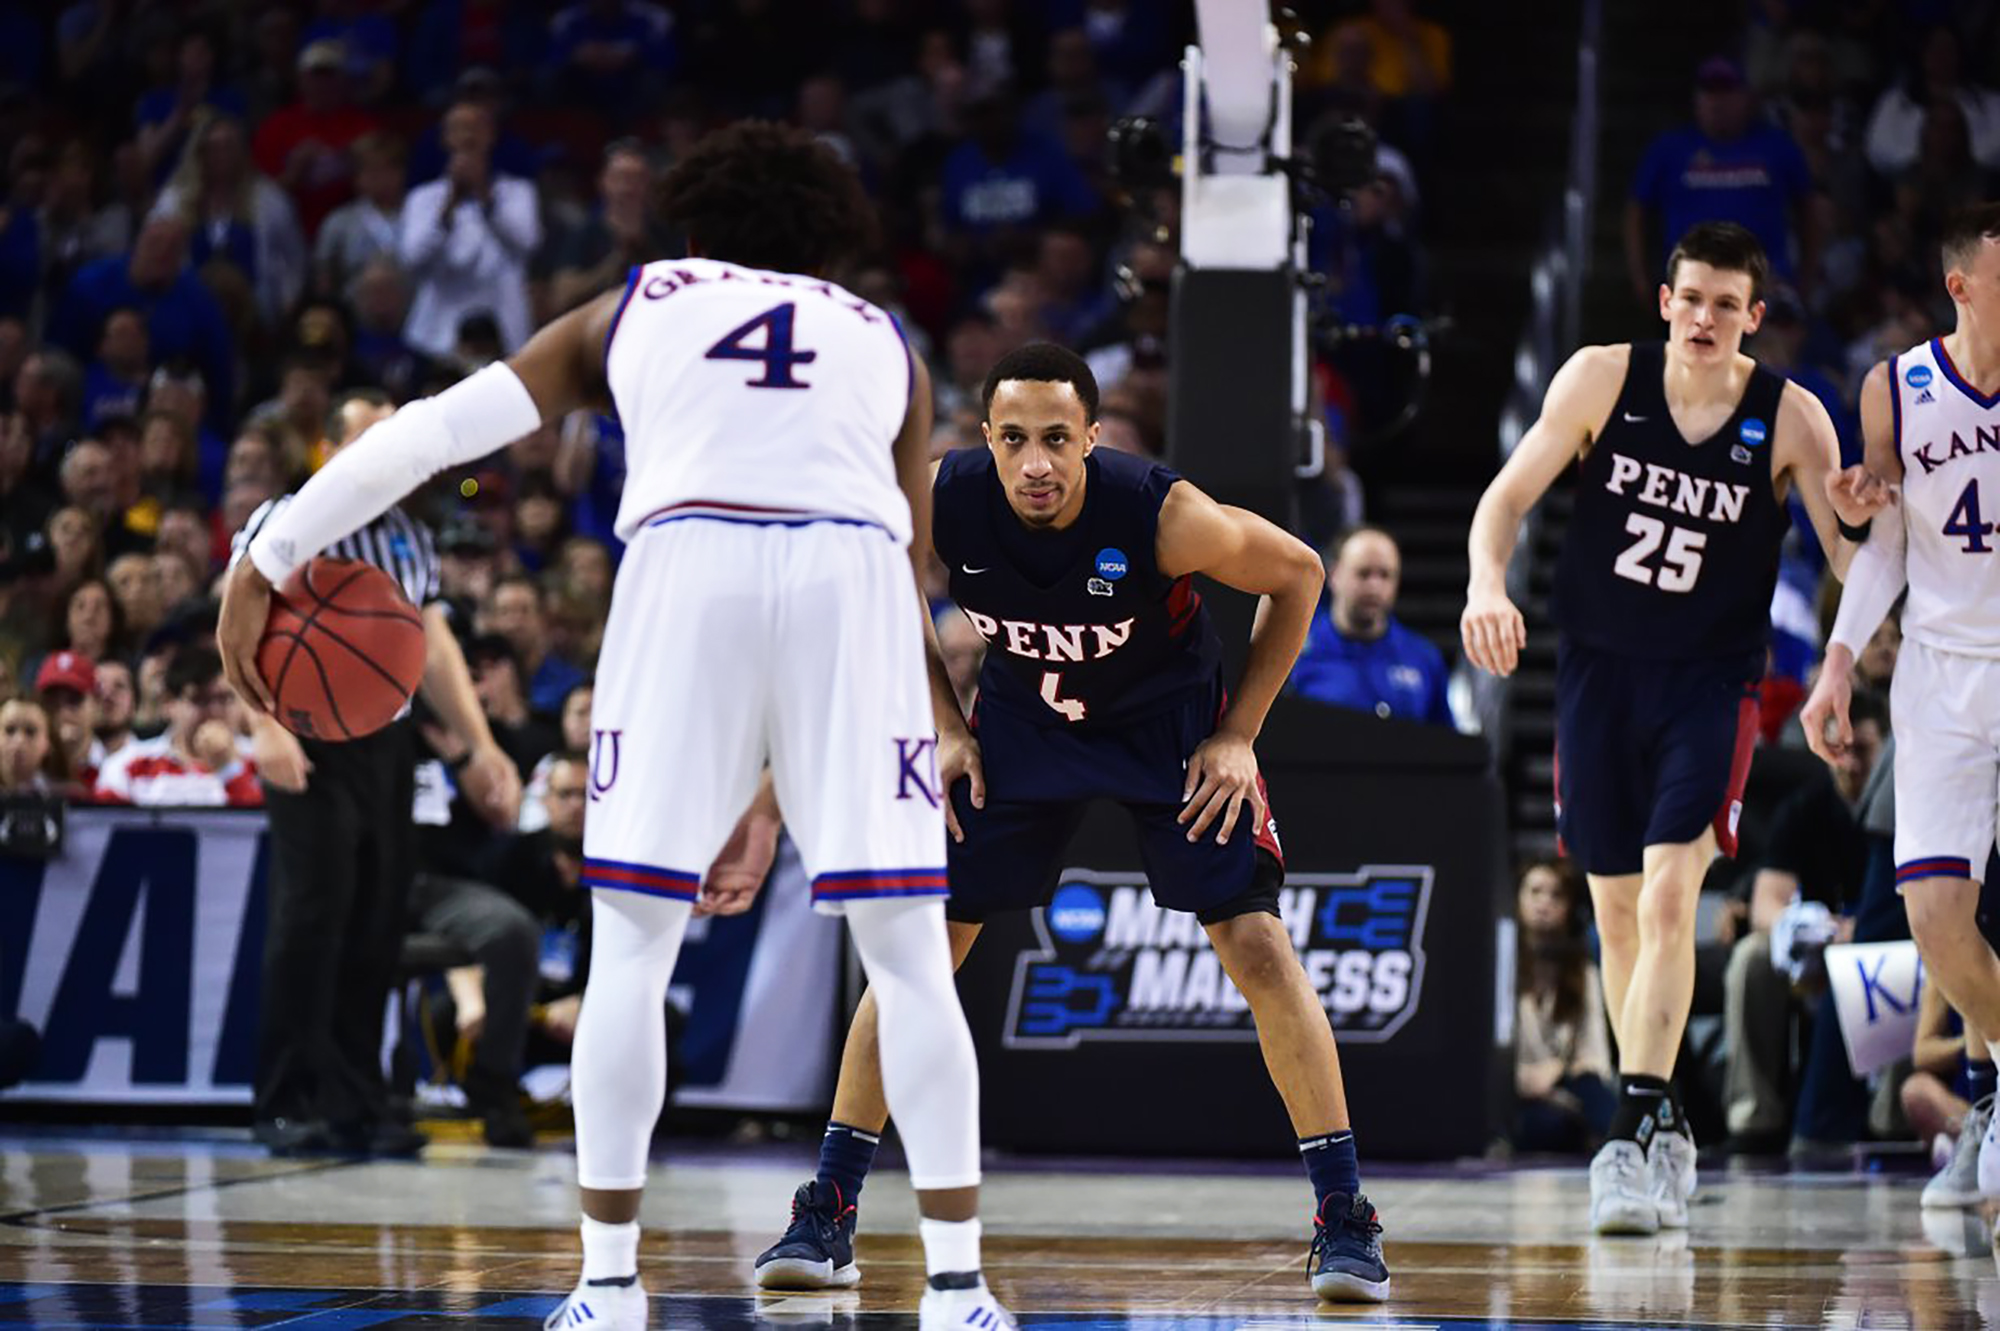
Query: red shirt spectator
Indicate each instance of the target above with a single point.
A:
(198, 761)
(305, 146)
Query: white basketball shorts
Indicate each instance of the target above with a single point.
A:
(732, 642)
(1947, 717)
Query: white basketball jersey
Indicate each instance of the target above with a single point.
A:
(1948, 437)
(755, 395)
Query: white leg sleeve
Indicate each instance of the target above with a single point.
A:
(618, 1067)
(929, 1075)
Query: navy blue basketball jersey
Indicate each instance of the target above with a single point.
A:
(1081, 627)
(1672, 548)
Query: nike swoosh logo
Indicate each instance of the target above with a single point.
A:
(1634, 419)
(975, 571)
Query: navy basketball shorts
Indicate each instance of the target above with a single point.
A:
(1040, 780)
(1649, 752)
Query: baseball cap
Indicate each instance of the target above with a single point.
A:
(466, 535)
(67, 670)
(1719, 73)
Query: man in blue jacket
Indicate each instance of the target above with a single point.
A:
(1357, 655)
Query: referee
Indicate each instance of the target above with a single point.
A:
(342, 856)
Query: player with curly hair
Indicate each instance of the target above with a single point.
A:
(777, 430)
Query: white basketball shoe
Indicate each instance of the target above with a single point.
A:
(1671, 1158)
(600, 1308)
(973, 1309)
(1621, 1191)
(1959, 1182)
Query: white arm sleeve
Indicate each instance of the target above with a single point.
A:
(472, 418)
(1875, 579)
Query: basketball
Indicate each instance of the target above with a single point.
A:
(343, 650)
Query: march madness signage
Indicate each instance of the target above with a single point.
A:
(1111, 965)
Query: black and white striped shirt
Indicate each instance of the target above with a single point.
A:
(396, 543)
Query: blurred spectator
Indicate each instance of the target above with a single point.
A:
(66, 686)
(184, 531)
(90, 482)
(48, 394)
(585, 570)
(1408, 56)
(497, 678)
(75, 226)
(1071, 77)
(25, 504)
(467, 567)
(380, 302)
(24, 747)
(1134, 337)
(167, 115)
(1724, 167)
(1816, 853)
(1898, 125)
(455, 37)
(540, 521)
(275, 43)
(517, 612)
(307, 147)
(197, 760)
(135, 583)
(237, 216)
(366, 41)
(76, 542)
(1780, 344)
(466, 238)
(116, 697)
(575, 735)
(356, 232)
(1073, 300)
(619, 236)
(181, 579)
(177, 390)
(1563, 1077)
(607, 53)
(166, 457)
(822, 109)
(115, 383)
(91, 623)
(295, 421)
(541, 870)
(183, 320)
(999, 184)
(1357, 655)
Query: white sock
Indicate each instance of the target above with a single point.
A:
(610, 1252)
(950, 1246)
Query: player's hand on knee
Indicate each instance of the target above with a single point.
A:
(1824, 717)
(738, 874)
(1493, 632)
(958, 756)
(1858, 494)
(1221, 780)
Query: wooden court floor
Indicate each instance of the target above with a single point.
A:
(203, 1231)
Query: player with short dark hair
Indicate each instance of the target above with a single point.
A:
(1686, 452)
(1102, 680)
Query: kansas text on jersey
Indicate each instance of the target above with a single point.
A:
(1672, 549)
(1095, 634)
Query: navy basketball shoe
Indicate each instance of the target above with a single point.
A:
(817, 1250)
(1346, 1258)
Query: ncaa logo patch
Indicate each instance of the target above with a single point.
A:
(1111, 563)
(1918, 376)
(1109, 964)
(1753, 432)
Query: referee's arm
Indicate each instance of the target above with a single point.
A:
(487, 775)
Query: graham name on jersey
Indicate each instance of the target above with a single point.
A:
(1985, 439)
(1676, 491)
(1057, 642)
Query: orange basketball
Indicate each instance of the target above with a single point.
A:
(343, 651)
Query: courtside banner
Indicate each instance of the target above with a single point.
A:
(138, 956)
(1876, 989)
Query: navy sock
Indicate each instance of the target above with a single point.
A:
(1641, 1100)
(845, 1156)
(1331, 1165)
(1979, 1078)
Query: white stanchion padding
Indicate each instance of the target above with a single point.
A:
(1875, 990)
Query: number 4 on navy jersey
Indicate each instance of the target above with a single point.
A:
(776, 355)
(1964, 521)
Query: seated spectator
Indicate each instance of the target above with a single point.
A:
(166, 115)
(48, 395)
(575, 726)
(366, 41)
(465, 239)
(135, 582)
(1817, 853)
(25, 502)
(197, 761)
(90, 481)
(184, 530)
(1000, 185)
(90, 623)
(116, 699)
(66, 687)
(76, 226)
(360, 230)
(25, 745)
(496, 678)
(182, 580)
(295, 421)
(1934, 1095)
(115, 383)
(1073, 300)
(1726, 167)
(1357, 654)
(456, 38)
(178, 390)
(585, 569)
(167, 459)
(518, 612)
(76, 543)
(306, 148)
(237, 216)
(607, 54)
(1897, 125)
(1563, 1076)
(541, 870)
(379, 301)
